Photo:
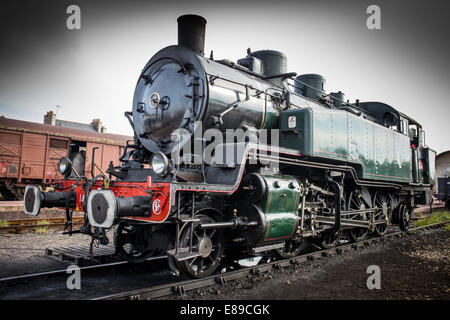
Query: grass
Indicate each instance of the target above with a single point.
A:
(3, 223)
(43, 223)
(435, 217)
(43, 226)
(41, 230)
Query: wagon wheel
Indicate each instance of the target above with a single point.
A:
(382, 201)
(19, 192)
(131, 244)
(6, 193)
(356, 202)
(292, 248)
(208, 242)
(404, 218)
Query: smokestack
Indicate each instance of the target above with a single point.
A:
(191, 32)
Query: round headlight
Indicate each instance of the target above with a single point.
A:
(160, 163)
(64, 166)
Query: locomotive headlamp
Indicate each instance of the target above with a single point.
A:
(160, 163)
(65, 165)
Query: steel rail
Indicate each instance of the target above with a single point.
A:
(47, 273)
(181, 287)
(19, 224)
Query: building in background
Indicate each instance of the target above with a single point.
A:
(94, 126)
(30, 152)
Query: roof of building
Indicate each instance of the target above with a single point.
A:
(74, 134)
(74, 125)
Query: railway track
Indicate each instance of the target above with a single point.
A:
(63, 271)
(16, 225)
(181, 287)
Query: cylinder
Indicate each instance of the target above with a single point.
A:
(274, 62)
(191, 32)
(310, 85)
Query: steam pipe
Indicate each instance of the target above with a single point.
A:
(229, 224)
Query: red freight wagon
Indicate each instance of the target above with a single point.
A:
(30, 153)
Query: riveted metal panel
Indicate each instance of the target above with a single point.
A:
(402, 156)
(330, 137)
(388, 165)
(369, 148)
(382, 153)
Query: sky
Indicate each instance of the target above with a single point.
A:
(92, 72)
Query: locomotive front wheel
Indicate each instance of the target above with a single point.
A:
(292, 248)
(209, 243)
(130, 243)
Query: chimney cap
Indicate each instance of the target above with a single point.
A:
(191, 17)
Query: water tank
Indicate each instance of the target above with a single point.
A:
(313, 88)
(274, 62)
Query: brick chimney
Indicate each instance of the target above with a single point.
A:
(50, 118)
(97, 124)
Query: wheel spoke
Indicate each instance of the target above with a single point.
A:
(212, 233)
(192, 261)
(200, 264)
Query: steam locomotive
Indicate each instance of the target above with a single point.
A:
(245, 158)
